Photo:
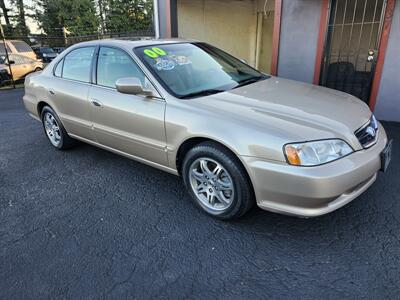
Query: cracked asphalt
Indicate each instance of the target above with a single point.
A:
(88, 224)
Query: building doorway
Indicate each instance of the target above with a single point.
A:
(351, 47)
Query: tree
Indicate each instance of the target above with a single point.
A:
(5, 13)
(101, 5)
(128, 15)
(20, 23)
(77, 16)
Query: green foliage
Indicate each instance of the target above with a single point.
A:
(14, 15)
(128, 15)
(20, 28)
(77, 16)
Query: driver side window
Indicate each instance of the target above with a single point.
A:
(114, 64)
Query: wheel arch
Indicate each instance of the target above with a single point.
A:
(191, 142)
(40, 106)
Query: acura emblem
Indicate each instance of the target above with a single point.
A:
(371, 131)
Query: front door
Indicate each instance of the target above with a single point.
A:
(17, 67)
(352, 44)
(132, 124)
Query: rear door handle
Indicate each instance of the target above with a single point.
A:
(96, 102)
(52, 92)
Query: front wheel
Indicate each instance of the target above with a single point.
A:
(217, 181)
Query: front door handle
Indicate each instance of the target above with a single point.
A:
(51, 92)
(96, 102)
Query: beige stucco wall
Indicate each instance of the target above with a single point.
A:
(231, 25)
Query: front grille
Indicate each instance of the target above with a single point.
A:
(368, 133)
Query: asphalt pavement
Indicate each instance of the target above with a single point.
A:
(89, 224)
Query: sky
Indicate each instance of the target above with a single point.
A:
(32, 24)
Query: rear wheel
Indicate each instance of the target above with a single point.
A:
(217, 181)
(54, 129)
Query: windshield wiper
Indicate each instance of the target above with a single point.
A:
(250, 80)
(201, 93)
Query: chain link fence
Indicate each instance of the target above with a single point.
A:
(22, 55)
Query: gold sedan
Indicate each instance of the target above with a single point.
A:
(236, 136)
(20, 66)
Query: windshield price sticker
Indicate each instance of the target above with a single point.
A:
(165, 62)
(154, 52)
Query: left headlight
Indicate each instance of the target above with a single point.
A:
(316, 153)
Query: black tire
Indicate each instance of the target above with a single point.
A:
(66, 142)
(243, 198)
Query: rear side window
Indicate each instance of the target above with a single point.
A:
(21, 46)
(77, 64)
(114, 64)
(25, 60)
(2, 50)
(18, 60)
(58, 69)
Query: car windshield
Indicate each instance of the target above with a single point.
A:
(189, 70)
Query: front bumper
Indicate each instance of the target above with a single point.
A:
(314, 191)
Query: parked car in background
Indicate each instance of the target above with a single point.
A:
(17, 47)
(235, 135)
(59, 49)
(4, 76)
(46, 54)
(20, 66)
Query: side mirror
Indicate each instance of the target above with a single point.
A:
(133, 86)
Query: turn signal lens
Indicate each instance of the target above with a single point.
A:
(292, 156)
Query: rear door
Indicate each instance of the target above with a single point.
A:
(132, 124)
(69, 89)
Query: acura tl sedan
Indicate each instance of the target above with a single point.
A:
(235, 135)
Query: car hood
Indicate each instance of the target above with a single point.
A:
(296, 110)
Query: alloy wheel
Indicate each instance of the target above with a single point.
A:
(211, 183)
(52, 129)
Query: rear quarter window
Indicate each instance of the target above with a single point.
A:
(58, 68)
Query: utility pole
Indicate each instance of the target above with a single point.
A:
(6, 51)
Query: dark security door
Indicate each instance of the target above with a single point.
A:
(352, 44)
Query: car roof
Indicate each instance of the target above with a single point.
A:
(133, 43)
(1, 41)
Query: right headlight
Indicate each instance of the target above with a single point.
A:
(317, 152)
